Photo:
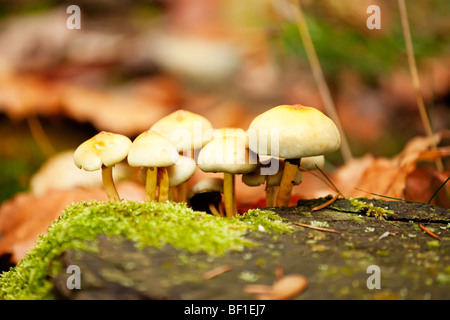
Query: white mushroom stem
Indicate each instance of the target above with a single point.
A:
(291, 168)
(150, 184)
(229, 194)
(108, 183)
(163, 177)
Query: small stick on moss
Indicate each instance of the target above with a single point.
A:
(315, 228)
(429, 232)
(326, 204)
(216, 271)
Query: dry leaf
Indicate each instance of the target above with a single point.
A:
(387, 177)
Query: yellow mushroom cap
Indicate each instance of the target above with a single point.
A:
(227, 154)
(150, 149)
(184, 129)
(105, 148)
(300, 132)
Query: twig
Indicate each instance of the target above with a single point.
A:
(216, 271)
(40, 137)
(315, 228)
(329, 180)
(436, 192)
(415, 78)
(319, 76)
(323, 205)
(392, 198)
(429, 232)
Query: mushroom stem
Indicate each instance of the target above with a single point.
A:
(150, 184)
(214, 210)
(108, 183)
(291, 168)
(182, 192)
(228, 194)
(163, 184)
(270, 194)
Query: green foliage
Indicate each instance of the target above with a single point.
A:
(147, 223)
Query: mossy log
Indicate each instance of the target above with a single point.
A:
(387, 234)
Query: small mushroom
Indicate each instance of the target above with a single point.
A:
(156, 153)
(312, 163)
(206, 195)
(188, 132)
(302, 132)
(230, 155)
(179, 173)
(103, 151)
(272, 180)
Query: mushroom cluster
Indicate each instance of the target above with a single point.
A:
(277, 146)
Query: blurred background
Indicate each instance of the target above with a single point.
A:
(133, 62)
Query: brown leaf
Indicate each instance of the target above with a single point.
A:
(384, 176)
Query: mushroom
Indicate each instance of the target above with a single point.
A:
(188, 132)
(179, 173)
(230, 131)
(103, 151)
(272, 180)
(206, 195)
(312, 163)
(230, 155)
(293, 132)
(156, 153)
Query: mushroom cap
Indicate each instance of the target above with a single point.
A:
(227, 154)
(204, 192)
(255, 178)
(230, 131)
(300, 132)
(206, 185)
(105, 148)
(309, 163)
(184, 129)
(150, 149)
(181, 171)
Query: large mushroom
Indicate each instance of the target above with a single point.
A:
(155, 153)
(103, 151)
(230, 155)
(188, 132)
(293, 132)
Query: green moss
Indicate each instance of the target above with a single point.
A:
(148, 224)
(370, 209)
